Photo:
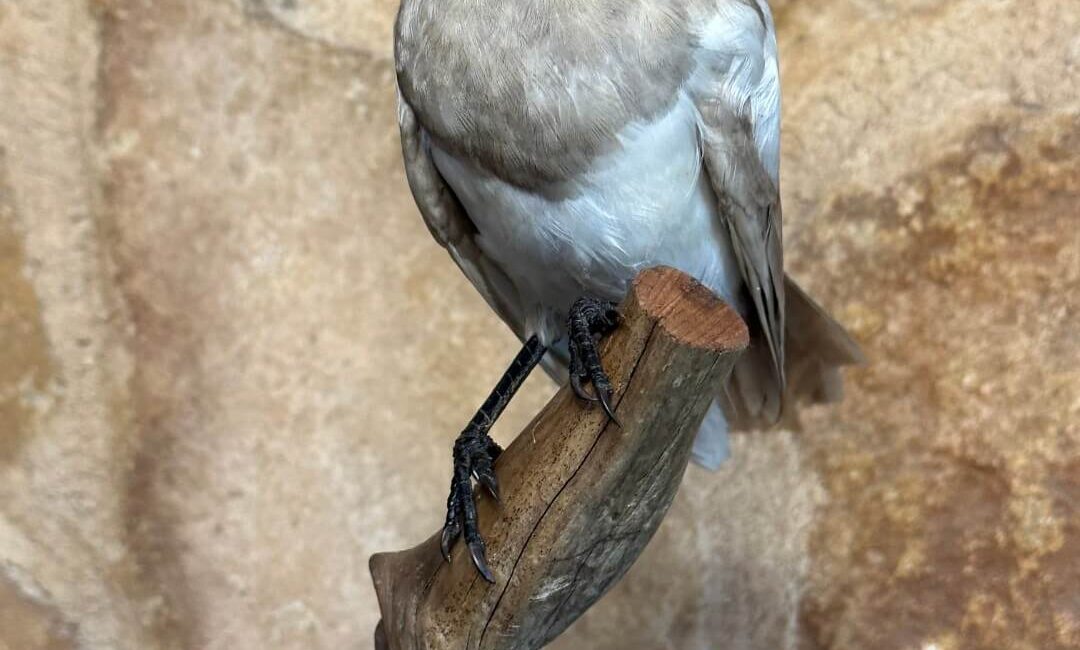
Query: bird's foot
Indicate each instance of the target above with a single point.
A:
(474, 458)
(589, 320)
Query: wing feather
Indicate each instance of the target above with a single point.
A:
(737, 101)
(450, 224)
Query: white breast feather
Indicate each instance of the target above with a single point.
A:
(647, 203)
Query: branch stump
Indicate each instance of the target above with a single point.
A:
(582, 496)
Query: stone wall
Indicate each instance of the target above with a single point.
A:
(232, 361)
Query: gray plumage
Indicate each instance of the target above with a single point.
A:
(558, 147)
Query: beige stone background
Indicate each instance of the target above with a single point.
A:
(232, 361)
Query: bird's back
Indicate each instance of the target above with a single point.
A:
(535, 90)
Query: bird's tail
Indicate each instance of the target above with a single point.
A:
(815, 348)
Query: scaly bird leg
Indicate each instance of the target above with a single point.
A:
(474, 456)
(475, 452)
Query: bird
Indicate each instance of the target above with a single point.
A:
(556, 148)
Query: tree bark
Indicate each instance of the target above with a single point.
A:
(581, 495)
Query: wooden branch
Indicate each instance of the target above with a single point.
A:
(581, 495)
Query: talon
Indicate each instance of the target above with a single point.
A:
(579, 389)
(476, 550)
(448, 537)
(488, 479)
(605, 402)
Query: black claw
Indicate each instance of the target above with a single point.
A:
(448, 537)
(579, 389)
(605, 402)
(489, 481)
(483, 471)
(476, 550)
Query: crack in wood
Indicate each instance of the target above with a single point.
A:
(584, 460)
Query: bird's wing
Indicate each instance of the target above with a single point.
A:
(736, 92)
(450, 224)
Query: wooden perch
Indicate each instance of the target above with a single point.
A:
(581, 495)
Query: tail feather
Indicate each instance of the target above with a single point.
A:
(815, 348)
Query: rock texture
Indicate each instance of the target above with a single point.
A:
(232, 361)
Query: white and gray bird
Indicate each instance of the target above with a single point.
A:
(558, 147)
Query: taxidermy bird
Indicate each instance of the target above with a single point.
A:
(556, 148)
